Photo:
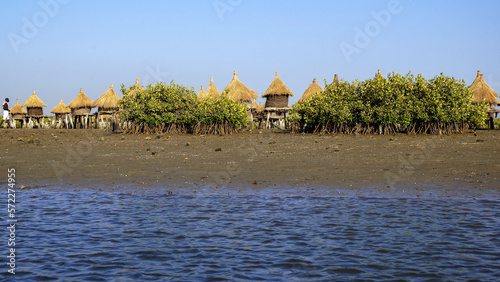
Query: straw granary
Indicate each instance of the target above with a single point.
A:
(212, 91)
(18, 112)
(61, 110)
(202, 94)
(257, 111)
(34, 105)
(481, 91)
(311, 90)
(277, 99)
(238, 91)
(108, 102)
(135, 88)
(378, 75)
(81, 105)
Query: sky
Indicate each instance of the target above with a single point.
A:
(56, 47)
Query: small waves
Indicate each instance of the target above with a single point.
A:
(90, 235)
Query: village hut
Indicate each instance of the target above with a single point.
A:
(135, 88)
(61, 110)
(18, 112)
(257, 111)
(62, 113)
(81, 105)
(34, 106)
(276, 96)
(481, 91)
(311, 90)
(238, 91)
(108, 102)
(212, 92)
(202, 94)
(80, 108)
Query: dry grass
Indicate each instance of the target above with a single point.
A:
(311, 90)
(61, 108)
(277, 87)
(17, 109)
(34, 102)
(108, 100)
(238, 91)
(81, 101)
(482, 91)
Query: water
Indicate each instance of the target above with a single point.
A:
(92, 235)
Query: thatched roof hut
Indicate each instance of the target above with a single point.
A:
(61, 108)
(311, 90)
(482, 91)
(34, 105)
(108, 102)
(277, 99)
(17, 111)
(212, 91)
(135, 88)
(81, 104)
(378, 74)
(238, 91)
(202, 94)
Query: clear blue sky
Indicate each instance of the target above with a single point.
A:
(59, 48)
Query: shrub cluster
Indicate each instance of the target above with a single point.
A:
(398, 103)
(173, 108)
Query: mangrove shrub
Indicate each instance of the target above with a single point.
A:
(398, 103)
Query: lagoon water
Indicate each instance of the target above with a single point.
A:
(122, 236)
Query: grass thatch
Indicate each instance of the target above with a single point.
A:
(135, 88)
(311, 90)
(482, 91)
(202, 94)
(108, 100)
(17, 109)
(61, 108)
(34, 102)
(258, 107)
(81, 101)
(378, 74)
(277, 87)
(238, 91)
(212, 91)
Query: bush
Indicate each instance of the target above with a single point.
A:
(175, 108)
(388, 105)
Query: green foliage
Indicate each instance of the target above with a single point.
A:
(175, 108)
(394, 104)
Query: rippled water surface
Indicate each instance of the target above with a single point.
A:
(89, 235)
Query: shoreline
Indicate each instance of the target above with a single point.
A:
(254, 161)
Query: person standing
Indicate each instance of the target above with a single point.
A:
(6, 114)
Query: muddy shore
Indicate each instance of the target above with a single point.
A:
(253, 160)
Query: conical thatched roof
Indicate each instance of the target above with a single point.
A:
(238, 91)
(378, 75)
(257, 107)
(81, 101)
(336, 79)
(277, 87)
(17, 109)
(212, 91)
(482, 91)
(311, 90)
(108, 99)
(135, 88)
(61, 108)
(34, 102)
(202, 94)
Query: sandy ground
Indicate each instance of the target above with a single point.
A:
(254, 160)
